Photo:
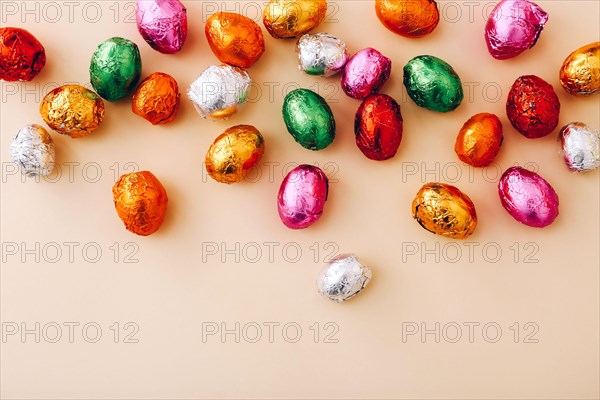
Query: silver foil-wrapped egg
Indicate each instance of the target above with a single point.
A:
(580, 146)
(219, 91)
(342, 278)
(321, 54)
(33, 150)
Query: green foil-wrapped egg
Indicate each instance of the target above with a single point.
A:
(433, 84)
(115, 68)
(309, 119)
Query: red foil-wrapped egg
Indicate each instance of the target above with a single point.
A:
(22, 56)
(378, 127)
(532, 107)
(479, 140)
(157, 98)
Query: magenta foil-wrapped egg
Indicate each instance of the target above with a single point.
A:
(528, 197)
(302, 196)
(513, 27)
(163, 24)
(365, 73)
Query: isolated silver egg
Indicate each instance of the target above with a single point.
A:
(321, 54)
(33, 150)
(342, 278)
(219, 91)
(580, 146)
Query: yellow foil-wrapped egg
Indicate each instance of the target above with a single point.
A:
(580, 73)
(234, 153)
(444, 210)
(141, 202)
(293, 18)
(72, 110)
(236, 40)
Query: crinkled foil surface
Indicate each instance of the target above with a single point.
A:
(33, 150)
(321, 54)
(343, 278)
(219, 91)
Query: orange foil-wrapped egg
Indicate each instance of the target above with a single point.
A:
(236, 40)
(141, 202)
(293, 18)
(234, 153)
(410, 18)
(580, 73)
(157, 99)
(444, 210)
(72, 110)
(479, 140)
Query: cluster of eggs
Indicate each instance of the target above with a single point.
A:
(221, 90)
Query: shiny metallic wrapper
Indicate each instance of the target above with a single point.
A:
(72, 110)
(580, 146)
(580, 73)
(321, 54)
(342, 278)
(219, 91)
(444, 210)
(33, 150)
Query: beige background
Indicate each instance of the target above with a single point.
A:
(178, 289)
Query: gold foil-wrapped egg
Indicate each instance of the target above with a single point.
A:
(236, 40)
(157, 99)
(580, 73)
(293, 18)
(444, 210)
(234, 153)
(141, 202)
(72, 110)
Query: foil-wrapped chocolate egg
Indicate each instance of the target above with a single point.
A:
(433, 84)
(219, 91)
(479, 140)
(528, 197)
(378, 127)
(22, 56)
(32, 149)
(235, 39)
(162, 24)
(444, 210)
(115, 68)
(302, 196)
(532, 107)
(365, 73)
(72, 110)
(234, 153)
(157, 98)
(410, 18)
(580, 73)
(293, 18)
(308, 119)
(321, 54)
(580, 146)
(513, 27)
(342, 278)
(141, 202)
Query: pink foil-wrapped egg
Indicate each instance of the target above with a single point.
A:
(513, 27)
(528, 197)
(163, 24)
(302, 196)
(365, 73)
